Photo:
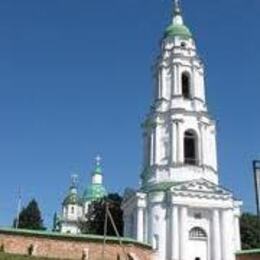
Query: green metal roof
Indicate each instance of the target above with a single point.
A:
(249, 252)
(72, 198)
(94, 192)
(178, 30)
(98, 170)
(72, 237)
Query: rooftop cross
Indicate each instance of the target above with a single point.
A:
(74, 180)
(177, 8)
(98, 160)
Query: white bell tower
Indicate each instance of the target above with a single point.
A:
(180, 209)
(179, 134)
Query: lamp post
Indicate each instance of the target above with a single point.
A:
(256, 167)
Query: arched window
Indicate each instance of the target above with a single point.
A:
(197, 233)
(190, 148)
(185, 82)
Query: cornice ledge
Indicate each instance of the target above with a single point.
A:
(194, 194)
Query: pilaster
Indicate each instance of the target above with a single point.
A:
(228, 252)
(237, 233)
(202, 148)
(216, 246)
(174, 143)
(175, 232)
(183, 232)
(140, 224)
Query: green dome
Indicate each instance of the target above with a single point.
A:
(98, 170)
(178, 30)
(94, 192)
(72, 199)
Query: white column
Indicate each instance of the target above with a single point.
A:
(175, 80)
(160, 83)
(180, 148)
(201, 143)
(207, 146)
(227, 235)
(202, 96)
(164, 82)
(158, 146)
(183, 232)
(150, 215)
(216, 246)
(146, 150)
(140, 224)
(214, 151)
(237, 233)
(178, 85)
(146, 225)
(155, 144)
(151, 146)
(193, 86)
(174, 143)
(175, 233)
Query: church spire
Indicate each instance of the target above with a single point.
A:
(98, 168)
(74, 181)
(177, 15)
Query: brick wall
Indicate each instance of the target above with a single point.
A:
(55, 245)
(249, 255)
(69, 247)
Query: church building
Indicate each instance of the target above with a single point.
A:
(75, 207)
(180, 208)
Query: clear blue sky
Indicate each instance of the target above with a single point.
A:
(75, 80)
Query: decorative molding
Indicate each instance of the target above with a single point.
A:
(180, 165)
(201, 189)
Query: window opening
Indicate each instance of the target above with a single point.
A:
(186, 86)
(197, 233)
(190, 148)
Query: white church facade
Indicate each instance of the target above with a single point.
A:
(180, 208)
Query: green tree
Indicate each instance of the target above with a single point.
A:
(30, 217)
(250, 231)
(96, 216)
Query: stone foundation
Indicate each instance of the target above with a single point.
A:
(56, 245)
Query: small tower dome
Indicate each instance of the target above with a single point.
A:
(177, 27)
(96, 189)
(72, 198)
(72, 209)
(174, 30)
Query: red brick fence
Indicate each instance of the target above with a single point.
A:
(249, 255)
(66, 246)
(85, 247)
